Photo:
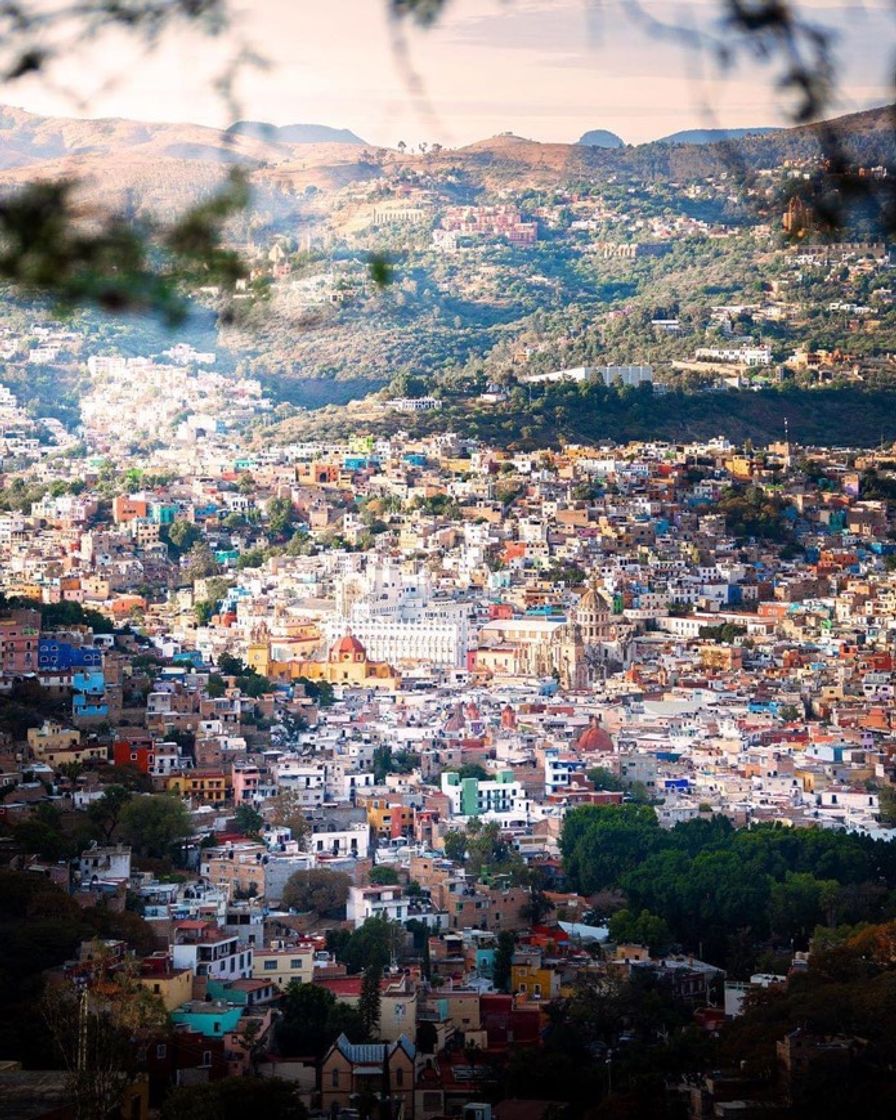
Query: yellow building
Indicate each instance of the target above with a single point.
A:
(212, 786)
(57, 745)
(388, 816)
(174, 987)
(279, 966)
(348, 664)
(279, 659)
(532, 979)
(51, 737)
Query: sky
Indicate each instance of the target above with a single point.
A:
(544, 69)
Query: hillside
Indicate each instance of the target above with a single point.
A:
(844, 417)
(713, 135)
(294, 133)
(160, 165)
(601, 138)
(605, 242)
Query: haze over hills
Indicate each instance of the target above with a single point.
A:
(294, 133)
(166, 165)
(713, 135)
(601, 138)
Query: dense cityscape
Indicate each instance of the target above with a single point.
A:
(447, 593)
(444, 745)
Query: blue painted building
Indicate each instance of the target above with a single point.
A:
(63, 657)
(89, 695)
(213, 1018)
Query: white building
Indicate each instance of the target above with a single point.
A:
(471, 797)
(610, 375)
(392, 611)
(741, 355)
(557, 770)
(375, 902)
(208, 951)
(105, 864)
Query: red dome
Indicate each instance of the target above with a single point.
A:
(347, 644)
(594, 738)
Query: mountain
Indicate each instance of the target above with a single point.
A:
(294, 133)
(165, 167)
(713, 135)
(601, 138)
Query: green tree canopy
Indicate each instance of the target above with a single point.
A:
(152, 823)
(319, 890)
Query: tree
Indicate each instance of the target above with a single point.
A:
(203, 611)
(183, 535)
(320, 691)
(311, 1020)
(369, 1004)
(602, 778)
(473, 770)
(886, 800)
(286, 811)
(538, 905)
(151, 824)
(200, 562)
(248, 820)
(455, 845)
(486, 847)
(233, 1099)
(281, 516)
(601, 842)
(92, 1028)
(376, 941)
(230, 666)
(105, 813)
(641, 929)
(503, 960)
(318, 890)
(800, 903)
(383, 875)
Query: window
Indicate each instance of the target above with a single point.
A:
(335, 1079)
(161, 1050)
(206, 1057)
(295, 964)
(270, 966)
(399, 1078)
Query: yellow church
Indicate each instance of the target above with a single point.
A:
(346, 664)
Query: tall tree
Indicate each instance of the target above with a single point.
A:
(369, 1004)
(503, 960)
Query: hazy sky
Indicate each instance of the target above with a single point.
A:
(547, 69)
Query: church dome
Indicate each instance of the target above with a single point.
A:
(594, 738)
(347, 646)
(594, 600)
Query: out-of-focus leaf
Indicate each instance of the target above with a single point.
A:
(51, 246)
(422, 12)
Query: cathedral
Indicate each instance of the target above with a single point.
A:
(604, 635)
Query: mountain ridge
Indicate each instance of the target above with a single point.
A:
(714, 135)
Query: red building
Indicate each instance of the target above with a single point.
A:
(137, 753)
